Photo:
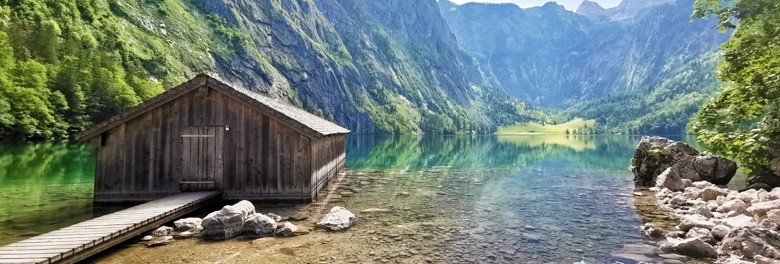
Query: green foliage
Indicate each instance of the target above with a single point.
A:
(744, 119)
(64, 66)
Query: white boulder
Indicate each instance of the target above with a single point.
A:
(339, 218)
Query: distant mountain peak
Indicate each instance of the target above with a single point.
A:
(553, 5)
(591, 9)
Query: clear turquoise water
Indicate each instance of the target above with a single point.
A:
(516, 199)
(44, 187)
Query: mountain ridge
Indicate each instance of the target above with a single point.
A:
(566, 60)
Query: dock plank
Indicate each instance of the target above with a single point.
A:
(77, 242)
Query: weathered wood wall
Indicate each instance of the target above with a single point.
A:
(329, 156)
(261, 158)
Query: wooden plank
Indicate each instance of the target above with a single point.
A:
(240, 133)
(264, 153)
(220, 151)
(21, 260)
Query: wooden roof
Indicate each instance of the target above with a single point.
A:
(295, 117)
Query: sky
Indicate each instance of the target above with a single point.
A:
(569, 4)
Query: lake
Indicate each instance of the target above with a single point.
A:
(535, 198)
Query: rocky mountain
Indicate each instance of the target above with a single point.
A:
(638, 58)
(372, 66)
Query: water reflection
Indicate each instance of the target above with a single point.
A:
(511, 151)
(44, 187)
(514, 199)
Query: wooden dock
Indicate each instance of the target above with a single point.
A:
(80, 241)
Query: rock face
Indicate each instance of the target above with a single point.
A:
(339, 218)
(654, 155)
(223, 224)
(750, 242)
(259, 225)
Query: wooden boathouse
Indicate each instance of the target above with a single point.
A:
(205, 135)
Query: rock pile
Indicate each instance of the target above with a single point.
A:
(239, 219)
(718, 222)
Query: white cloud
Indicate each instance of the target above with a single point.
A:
(569, 4)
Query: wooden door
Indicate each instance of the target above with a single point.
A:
(201, 158)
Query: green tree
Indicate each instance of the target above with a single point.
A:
(744, 119)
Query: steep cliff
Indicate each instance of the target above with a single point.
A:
(372, 66)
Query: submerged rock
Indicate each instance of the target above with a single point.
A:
(339, 218)
(299, 216)
(654, 155)
(375, 210)
(160, 241)
(259, 225)
(223, 224)
(651, 231)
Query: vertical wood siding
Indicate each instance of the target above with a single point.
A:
(262, 158)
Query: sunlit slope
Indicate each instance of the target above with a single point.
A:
(574, 126)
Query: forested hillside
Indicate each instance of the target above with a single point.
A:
(371, 66)
(640, 67)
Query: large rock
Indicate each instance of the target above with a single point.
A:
(339, 218)
(259, 225)
(654, 155)
(671, 180)
(694, 247)
(750, 242)
(223, 224)
(188, 224)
